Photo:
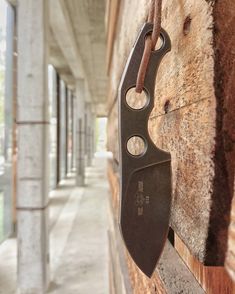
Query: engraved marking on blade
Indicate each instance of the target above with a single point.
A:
(141, 186)
(140, 211)
(141, 199)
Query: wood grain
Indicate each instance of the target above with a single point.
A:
(193, 117)
(192, 166)
(230, 258)
(225, 91)
(214, 280)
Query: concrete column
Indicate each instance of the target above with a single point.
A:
(75, 140)
(89, 156)
(33, 147)
(87, 116)
(89, 135)
(93, 134)
(85, 134)
(80, 132)
(6, 178)
(63, 138)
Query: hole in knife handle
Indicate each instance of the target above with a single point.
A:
(136, 146)
(160, 43)
(135, 100)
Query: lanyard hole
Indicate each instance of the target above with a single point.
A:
(135, 100)
(136, 146)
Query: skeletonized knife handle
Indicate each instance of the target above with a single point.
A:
(145, 178)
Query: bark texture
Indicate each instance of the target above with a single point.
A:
(193, 113)
(193, 118)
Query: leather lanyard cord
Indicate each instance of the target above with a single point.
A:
(154, 16)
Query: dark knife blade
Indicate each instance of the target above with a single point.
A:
(145, 178)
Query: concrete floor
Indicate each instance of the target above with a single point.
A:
(78, 238)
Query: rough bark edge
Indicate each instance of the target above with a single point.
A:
(216, 244)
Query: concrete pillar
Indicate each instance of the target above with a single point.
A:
(80, 131)
(63, 139)
(75, 140)
(90, 129)
(85, 134)
(89, 156)
(93, 134)
(6, 179)
(33, 147)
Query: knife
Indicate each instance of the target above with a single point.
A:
(145, 177)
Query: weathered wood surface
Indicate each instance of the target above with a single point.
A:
(225, 40)
(193, 116)
(214, 280)
(230, 258)
(192, 170)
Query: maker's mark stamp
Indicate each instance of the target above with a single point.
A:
(141, 199)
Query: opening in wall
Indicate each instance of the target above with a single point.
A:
(101, 134)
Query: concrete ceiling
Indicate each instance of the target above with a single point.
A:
(58, 60)
(78, 45)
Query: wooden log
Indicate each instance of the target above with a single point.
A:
(193, 114)
(225, 88)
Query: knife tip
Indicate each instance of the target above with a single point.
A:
(146, 272)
